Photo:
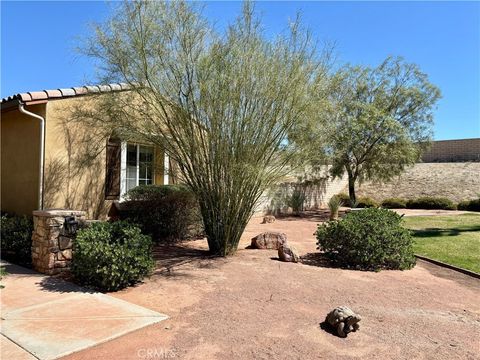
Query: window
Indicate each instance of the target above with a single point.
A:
(139, 166)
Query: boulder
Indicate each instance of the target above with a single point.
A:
(288, 253)
(269, 240)
(268, 219)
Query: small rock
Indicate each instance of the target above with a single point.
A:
(269, 240)
(288, 253)
(344, 320)
(64, 242)
(268, 219)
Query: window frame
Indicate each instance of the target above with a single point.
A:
(123, 165)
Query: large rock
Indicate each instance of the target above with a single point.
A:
(288, 253)
(269, 240)
(268, 219)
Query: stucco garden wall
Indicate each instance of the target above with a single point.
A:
(453, 151)
(456, 181)
(317, 191)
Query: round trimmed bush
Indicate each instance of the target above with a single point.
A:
(344, 198)
(370, 239)
(434, 203)
(166, 212)
(366, 202)
(469, 205)
(111, 256)
(394, 203)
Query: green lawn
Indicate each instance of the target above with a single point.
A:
(454, 240)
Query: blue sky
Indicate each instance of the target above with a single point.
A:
(38, 41)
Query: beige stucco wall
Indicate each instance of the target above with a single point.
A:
(75, 160)
(20, 149)
(318, 191)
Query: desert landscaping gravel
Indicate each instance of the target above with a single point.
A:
(252, 306)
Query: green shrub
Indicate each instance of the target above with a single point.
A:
(296, 200)
(166, 212)
(111, 256)
(16, 234)
(344, 198)
(370, 239)
(431, 203)
(469, 205)
(366, 202)
(394, 203)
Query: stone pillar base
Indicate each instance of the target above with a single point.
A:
(51, 243)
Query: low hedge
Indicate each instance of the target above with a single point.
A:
(362, 202)
(370, 239)
(166, 212)
(16, 239)
(394, 203)
(366, 202)
(431, 203)
(469, 205)
(111, 256)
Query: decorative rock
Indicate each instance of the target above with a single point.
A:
(268, 219)
(288, 253)
(269, 240)
(65, 255)
(64, 242)
(344, 320)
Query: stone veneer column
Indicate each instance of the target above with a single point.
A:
(51, 245)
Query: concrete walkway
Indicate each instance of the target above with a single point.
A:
(47, 318)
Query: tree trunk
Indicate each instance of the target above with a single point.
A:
(224, 226)
(351, 190)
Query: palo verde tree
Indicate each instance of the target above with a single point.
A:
(374, 121)
(221, 103)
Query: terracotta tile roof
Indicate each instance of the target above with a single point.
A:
(56, 94)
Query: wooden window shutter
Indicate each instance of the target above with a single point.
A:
(112, 173)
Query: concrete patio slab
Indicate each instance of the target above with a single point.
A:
(51, 318)
(10, 350)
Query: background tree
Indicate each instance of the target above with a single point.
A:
(373, 121)
(220, 103)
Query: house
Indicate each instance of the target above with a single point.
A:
(48, 160)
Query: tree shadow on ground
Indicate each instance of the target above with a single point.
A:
(321, 260)
(318, 259)
(320, 215)
(434, 232)
(169, 258)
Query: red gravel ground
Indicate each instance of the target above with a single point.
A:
(251, 306)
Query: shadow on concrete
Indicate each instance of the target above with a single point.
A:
(17, 269)
(60, 285)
